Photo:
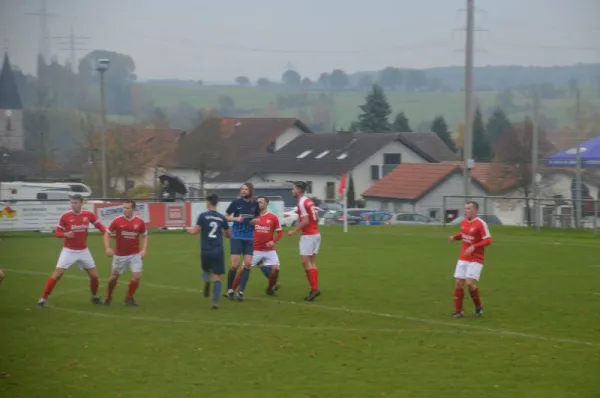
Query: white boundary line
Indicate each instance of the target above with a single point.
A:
(65, 292)
(264, 325)
(594, 293)
(457, 324)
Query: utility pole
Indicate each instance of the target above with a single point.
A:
(102, 66)
(534, 156)
(72, 43)
(578, 165)
(468, 130)
(44, 44)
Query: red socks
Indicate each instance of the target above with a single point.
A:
(133, 285)
(476, 298)
(273, 278)
(313, 278)
(112, 284)
(49, 287)
(458, 300)
(94, 282)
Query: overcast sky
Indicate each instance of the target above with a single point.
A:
(218, 40)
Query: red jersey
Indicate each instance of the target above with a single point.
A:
(473, 232)
(268, 224)
(306, 208)
(79, 225)
(127, 234)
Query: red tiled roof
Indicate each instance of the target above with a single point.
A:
(411, 181)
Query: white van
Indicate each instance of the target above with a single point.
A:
(18, 190)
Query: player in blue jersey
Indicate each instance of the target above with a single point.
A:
(241, 211)
(213, 225)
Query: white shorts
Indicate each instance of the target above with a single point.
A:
(467, 270)
(69, 257)
(120, 263)
(267, 258)
(309, 244)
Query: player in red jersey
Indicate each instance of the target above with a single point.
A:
(127, 230)
(310, 241)
(267, 231)
(73, 228)
(475, 236)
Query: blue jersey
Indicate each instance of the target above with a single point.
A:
(248, 209)
(211, 225)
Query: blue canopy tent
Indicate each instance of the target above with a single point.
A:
(589, 158)
(589, 153)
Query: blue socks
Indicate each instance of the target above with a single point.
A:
(217, 291)
(244, 279)
(266, 270)
(206, 276)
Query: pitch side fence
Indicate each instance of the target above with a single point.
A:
(529, 212)
(42, 215)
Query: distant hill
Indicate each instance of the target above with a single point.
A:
(498, 78)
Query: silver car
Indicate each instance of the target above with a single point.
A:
(413, 219)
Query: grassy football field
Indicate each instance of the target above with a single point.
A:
(380, 329)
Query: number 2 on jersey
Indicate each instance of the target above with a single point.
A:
(213, 230)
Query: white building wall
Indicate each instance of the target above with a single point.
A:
(318, 182)
(362, 173)
(452, 186)
(288, 136)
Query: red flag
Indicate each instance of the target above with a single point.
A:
(342, 187)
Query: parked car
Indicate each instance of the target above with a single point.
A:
(488, 218)
(413, 219)
(376, 218)
(337, 216)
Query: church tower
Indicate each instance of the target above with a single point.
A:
(12, 135)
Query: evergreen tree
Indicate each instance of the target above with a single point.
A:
(482, 151)
(401, 123)
(351, 194)
(375, 112)
(497, 125)
(440, 127)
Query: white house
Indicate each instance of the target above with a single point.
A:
(321, 160)
(555, 199)
(421, 188)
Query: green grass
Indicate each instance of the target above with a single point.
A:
(418, 106)
(540, 336)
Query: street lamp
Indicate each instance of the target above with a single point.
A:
(102, 66)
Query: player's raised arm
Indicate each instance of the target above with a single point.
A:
(144, 233)
(97, 224)
(303, 219)
(61, 229)
(486, 237)
(107, 233)
(229, 213)
(458, 236)
(226, 229)
(196, 228)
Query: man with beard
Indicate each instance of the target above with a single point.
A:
(240, 212)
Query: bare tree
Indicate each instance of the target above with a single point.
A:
(205, 149)
(513, 158)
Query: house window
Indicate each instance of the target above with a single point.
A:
(392, 158)
(309, 187)
(374, 172)
(330, 191)
(433, 213)
(130, 184)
